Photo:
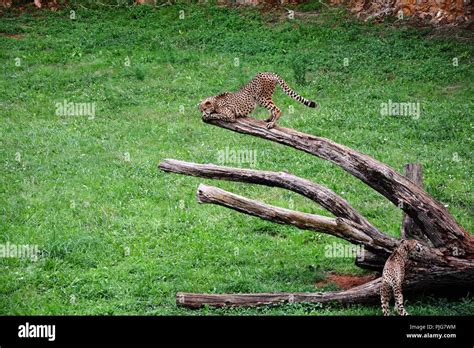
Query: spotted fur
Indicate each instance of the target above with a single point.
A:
(228, 106)
(394, 274)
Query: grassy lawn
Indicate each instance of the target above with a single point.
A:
(119, 237)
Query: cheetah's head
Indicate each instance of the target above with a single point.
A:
(411, 245)
(208, 105)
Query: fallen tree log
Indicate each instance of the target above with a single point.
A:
(365, 293)
(446, 260)
(429, 214)
(434, 282)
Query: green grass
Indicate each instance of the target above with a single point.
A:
(66, 183)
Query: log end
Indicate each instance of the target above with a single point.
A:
(168, 164)
(201, 194)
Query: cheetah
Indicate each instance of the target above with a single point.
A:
(229, 106)
(394, 273)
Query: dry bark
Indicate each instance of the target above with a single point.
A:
(365, 293)
(409, 229)
(377, 245)
(434, 219)
(446, 261)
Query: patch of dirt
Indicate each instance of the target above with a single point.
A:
(345, 281)
(13, 36)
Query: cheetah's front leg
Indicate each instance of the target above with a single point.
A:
(224, 115)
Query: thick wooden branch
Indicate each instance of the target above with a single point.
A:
(430, 215)
(436, 280)
(428, 261)
(435, 274)
(409, 228)
(339, 227)
(371, 260)
(318, 193)
(366, 293)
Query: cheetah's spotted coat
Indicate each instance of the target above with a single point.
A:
(228, 106)
(394, 274)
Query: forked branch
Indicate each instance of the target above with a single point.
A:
(337, 227)
(432, 217)
(318, 193)
(446, 266)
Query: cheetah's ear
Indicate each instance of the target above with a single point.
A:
(208, 103)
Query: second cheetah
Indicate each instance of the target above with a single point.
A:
(394, 273)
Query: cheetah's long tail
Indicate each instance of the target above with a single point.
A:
(293, 94)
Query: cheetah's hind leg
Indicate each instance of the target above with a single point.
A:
(397, 292)
(275, 112)
(385, 295)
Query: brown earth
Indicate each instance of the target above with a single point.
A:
(12, 36)
(345, 281)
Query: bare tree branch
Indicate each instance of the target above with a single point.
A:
(339, 227)
(429, 214)
(318, 193)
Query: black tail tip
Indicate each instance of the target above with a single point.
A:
(312, 104)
